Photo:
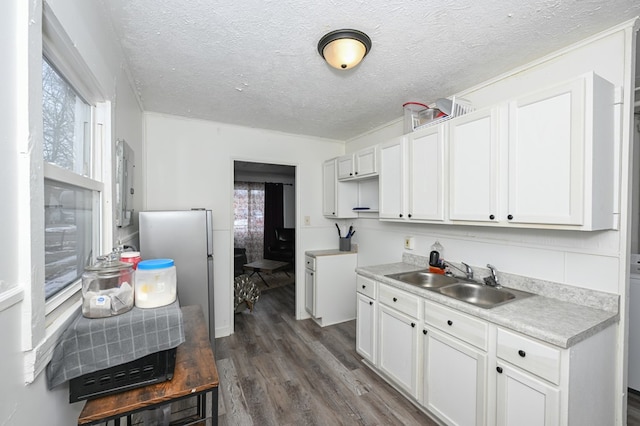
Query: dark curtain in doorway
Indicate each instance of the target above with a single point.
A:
(273, 213)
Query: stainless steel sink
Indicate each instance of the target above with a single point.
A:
(474, 293)
(424, 278)
(482, 295)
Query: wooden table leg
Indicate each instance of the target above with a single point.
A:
(261, 277)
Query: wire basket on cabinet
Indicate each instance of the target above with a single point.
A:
(417, 118)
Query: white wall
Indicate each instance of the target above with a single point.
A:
(128, 125)
(189, 163)
(20, 43)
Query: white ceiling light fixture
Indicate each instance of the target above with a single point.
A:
(344, 49)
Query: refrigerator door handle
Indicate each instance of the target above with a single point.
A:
(209, 232)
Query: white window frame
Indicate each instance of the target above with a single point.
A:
(48, 319)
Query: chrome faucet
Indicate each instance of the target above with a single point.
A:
(492, 280)
(468, 272)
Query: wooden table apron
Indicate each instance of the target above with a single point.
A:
(195, 374)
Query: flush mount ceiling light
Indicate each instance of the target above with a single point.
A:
(344, 49)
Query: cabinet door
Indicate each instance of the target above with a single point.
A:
(366, 327)
(392, 180)
(366, 162)
(634, 333)
(524, 400)
(309, 292)
(546, 156)
(454, 379)
(346, 167)
(338, 198)
(329, 188)
(426, 169)
(473, 166)
(397, 347)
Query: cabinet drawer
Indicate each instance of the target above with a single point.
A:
(366, 286)
(310, 262)
(399, 300)
(535, 357)
(464, 327)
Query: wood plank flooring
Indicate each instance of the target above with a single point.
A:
(278, 371)
(633, 409)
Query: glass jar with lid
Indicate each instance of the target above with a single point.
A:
(107, 288)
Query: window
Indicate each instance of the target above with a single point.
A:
(69, 213)
(69, 220)
(66, 121)
(248, 224)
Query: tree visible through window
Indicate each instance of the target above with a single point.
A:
(68, 207)
(66, 118)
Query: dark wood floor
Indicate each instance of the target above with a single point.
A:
(633, 409)
(278, 371)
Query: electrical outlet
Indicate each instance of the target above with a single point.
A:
(408, 243)
(307, 221)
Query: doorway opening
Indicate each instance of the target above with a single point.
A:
(264, 230)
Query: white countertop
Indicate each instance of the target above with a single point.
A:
(329, 252)
(554, 321)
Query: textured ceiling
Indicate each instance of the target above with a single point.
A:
(255, 62)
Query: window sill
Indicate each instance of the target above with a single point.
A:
(10, 297)
(37, 359)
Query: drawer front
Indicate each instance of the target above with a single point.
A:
(464, 327)
(310, 262)
(530, 355)
(399, 300)
(366, 286)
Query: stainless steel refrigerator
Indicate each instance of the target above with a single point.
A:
(186, 236)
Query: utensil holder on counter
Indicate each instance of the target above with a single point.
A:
(345, 244)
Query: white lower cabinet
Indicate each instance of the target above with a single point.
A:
(398, 337)
(366, 318)
(465, 370)
(309, 291)
(524, 400)
(527, 383)
(454, 360)
(543, 385)
(330, 295)
(454, 379)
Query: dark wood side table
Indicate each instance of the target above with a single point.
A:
(195, 374)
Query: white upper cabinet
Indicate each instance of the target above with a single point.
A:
(329, 187)
(561, 155)
(361, 164)
(345, 167)
(392, 179)
(473, 166)
(338, 198)
(412, 176)
(426, 174)
(543, 160)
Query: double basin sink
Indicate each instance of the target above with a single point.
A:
(461, 289)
